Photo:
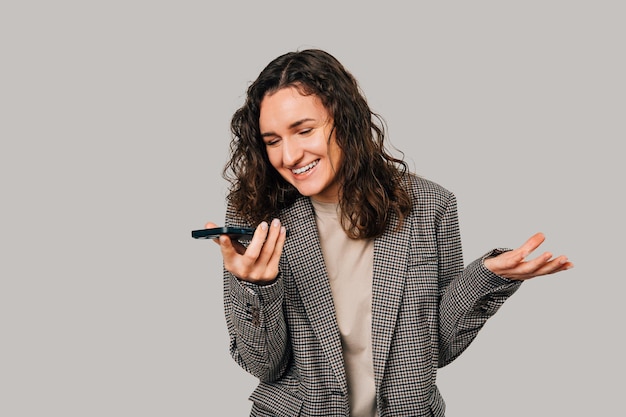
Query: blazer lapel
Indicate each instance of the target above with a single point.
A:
(390, 264)
(303, 254)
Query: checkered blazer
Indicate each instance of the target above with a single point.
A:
(426, 310)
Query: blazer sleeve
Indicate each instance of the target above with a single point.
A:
(468, 296)
(259, 342)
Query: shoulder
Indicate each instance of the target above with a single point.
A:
(421, 188)
(430, 200)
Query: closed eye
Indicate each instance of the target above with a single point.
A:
(272, 141)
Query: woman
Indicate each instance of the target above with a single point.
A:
(354, 311)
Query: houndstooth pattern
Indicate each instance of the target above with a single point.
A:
(426, 310)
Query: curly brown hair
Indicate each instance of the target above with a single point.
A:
(372, 183)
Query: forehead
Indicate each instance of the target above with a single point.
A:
(289, 105)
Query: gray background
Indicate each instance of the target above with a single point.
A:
(114, 122)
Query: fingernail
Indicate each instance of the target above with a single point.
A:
(275, 222)
(263, 225)
(283, 230)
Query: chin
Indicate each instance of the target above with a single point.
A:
(307, 192)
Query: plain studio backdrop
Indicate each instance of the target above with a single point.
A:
(114, 120)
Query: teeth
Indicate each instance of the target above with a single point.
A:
(305, 168)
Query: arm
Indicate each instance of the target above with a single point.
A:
(256, 326)
(253, 299)
(468, 302)
(470, 296)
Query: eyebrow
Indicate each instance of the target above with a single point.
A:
(291, 126)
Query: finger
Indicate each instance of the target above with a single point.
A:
(234, 261)
(210, 225)
(230, 245)
(535, 264)
(270, 242)
(531, 244)
(530, 269)
(550, 266)
(514, 257)
(557, 264)
(257, 242)
(280, 244)
(272, 263)
(226, 245)
(511, 265)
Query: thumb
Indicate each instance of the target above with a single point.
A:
(211, 225)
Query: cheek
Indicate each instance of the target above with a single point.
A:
(274, 156)
(336, 156)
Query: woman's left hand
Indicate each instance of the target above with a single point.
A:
(513, 264)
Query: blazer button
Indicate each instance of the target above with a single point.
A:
(256, 316)
(482, 306)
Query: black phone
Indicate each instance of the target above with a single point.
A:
(215, 232)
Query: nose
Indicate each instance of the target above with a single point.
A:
(292, 152)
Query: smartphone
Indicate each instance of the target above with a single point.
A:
(215, 232)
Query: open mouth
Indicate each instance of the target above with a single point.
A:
(305, 168)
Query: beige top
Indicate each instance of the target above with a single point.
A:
(349, 264)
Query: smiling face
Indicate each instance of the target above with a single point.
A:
(300, 142)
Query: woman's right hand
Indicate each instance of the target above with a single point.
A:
(258, 263)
